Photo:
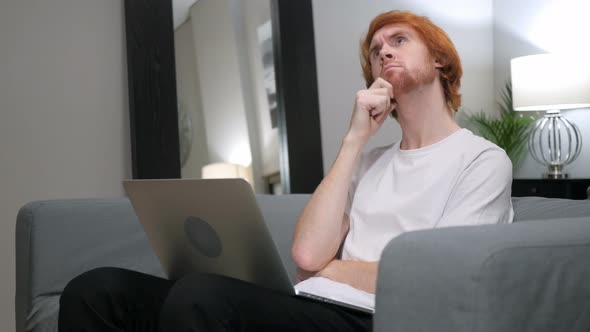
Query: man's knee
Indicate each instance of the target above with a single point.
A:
(196, 290)
(89, 286)
(198, 301)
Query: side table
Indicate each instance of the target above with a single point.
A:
(554, 188)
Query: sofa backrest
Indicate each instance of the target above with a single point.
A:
(280, 214)
(59, 239)
(539, 208)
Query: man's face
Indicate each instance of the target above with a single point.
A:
(398, 55)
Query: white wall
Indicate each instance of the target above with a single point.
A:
(257, 13)
(528, 27)
(232, 95)
(245, 18)
(189, 99)
(339, 26)
(64, 128)
(219, 78)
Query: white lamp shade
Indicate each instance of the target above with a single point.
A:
(550, 82)
(226, 171)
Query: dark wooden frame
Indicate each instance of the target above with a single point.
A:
(152, 92)
(155, 150)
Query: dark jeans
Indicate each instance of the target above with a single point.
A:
(113, 299)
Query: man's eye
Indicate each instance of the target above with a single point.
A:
(401, 40)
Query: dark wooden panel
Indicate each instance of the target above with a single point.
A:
(152, 89)
(297, 94)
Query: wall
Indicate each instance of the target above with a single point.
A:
(528, 27)
(222, 94)
(189, 99)
(340, 25)
(245, 15)
(231, 94)
(64, 128)
(257, 13)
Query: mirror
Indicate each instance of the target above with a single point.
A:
(219, 82)
(226, 91)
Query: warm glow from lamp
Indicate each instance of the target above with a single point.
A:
(557, 26)
(549, 81)
(227, 171)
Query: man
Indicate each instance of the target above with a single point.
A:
(438, 175)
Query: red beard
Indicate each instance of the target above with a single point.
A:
(405, 80)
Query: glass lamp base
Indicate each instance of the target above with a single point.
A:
(555, 172)
(555, 142)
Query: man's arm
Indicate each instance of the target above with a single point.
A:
(323, 225)
(482, 194)
(360, 275)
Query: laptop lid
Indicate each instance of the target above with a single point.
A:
(210, 226)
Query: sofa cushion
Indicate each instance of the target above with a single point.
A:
(539, 208)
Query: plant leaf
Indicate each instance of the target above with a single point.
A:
(510, 131)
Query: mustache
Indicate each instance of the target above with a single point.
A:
(389, 65)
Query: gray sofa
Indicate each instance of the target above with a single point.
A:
(533, 275)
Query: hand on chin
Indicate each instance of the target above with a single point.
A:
(392, 77)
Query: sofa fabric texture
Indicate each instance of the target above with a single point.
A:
(533, 275)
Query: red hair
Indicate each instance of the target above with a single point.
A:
(439, 45)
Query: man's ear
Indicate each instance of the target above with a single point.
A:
(437, 64)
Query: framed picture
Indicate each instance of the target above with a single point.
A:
(265, 41)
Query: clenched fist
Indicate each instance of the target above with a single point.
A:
(371, 108)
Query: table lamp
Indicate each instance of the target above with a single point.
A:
(226, 171)
(550, 83)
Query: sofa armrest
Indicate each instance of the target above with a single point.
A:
(57, 240)
(532, 276)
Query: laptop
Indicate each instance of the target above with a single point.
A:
(212, 226)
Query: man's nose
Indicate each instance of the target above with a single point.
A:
(386, 53)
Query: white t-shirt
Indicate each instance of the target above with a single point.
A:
(460, 180)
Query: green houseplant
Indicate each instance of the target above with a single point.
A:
(509, 131)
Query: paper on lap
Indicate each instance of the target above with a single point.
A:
(336, 291)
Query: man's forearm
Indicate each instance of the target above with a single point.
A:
(322, 224)
(360, 275)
